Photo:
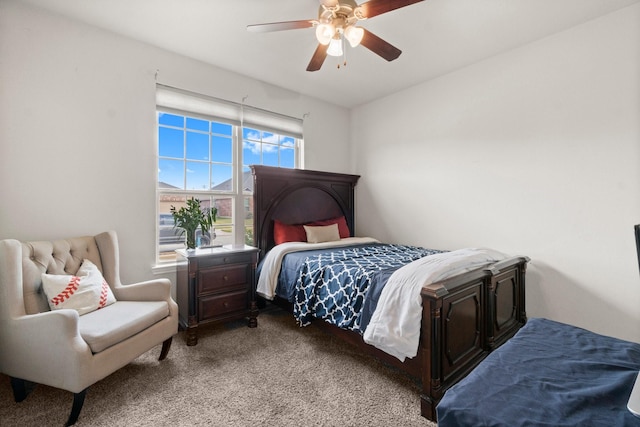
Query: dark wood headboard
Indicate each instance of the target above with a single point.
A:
(298, 196)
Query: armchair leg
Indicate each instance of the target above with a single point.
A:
(165, 348)
(78, 401)
(21, 388)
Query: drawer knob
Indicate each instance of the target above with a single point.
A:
(226, 259)
(225, 304)
(225, 278)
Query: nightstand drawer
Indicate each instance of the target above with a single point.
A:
(222, 279)
(215, 306)
(225, 259)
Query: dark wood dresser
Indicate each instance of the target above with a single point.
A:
(216, 285)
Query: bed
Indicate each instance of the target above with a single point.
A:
(549, 373)
(462, 318)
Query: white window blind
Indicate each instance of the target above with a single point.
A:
(184, 101)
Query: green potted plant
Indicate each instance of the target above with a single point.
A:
(192, 216)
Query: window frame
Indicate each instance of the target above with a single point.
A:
(237, 193)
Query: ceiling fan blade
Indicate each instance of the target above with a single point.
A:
(380, 47)
(378, 7)
(279, 26)
(318, 57)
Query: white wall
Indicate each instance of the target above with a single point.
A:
(534, 152)
(77, 129)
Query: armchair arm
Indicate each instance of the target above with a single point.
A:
(53, 336)
(48, 328)
(150, 290)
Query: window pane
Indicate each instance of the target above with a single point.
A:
(287, 141)
(221, 177)
(197, 124)
(170, 173)
(197, 146)
(251, 153)
(269, 155)
(197, 176)
(287, 157)
(170, 142)
(248, 133)
(269, 137)
(222, 149)
(247, 181)
(248, 221)
(170, 119)
(169, 237)
(224, 222)
(221, 128)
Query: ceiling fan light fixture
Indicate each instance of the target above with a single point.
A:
(354, 35)
(335, 47)
(325, 33)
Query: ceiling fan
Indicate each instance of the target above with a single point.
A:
(336, 23)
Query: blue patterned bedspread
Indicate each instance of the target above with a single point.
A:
(342, 285)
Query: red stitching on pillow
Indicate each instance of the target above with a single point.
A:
(67, 292)
(103, 294)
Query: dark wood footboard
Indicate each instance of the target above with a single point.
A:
(464, 318)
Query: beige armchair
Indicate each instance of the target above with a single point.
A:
(59, 347)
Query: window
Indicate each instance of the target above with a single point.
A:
(267, 148)
(208, 157)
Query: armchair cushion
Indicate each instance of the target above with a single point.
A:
(84, 292)
(121, 320)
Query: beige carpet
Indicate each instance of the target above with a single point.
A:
(275, 375)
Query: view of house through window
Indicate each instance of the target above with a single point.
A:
(198, 157)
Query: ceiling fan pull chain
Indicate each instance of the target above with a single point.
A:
(344, 52)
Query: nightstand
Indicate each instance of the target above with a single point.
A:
(216, 285)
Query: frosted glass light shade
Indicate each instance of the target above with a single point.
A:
(335, 47)
(324, 33)
(354, 35)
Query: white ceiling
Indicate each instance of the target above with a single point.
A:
(435, 36)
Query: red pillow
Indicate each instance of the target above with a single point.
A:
(295, 232)
(288, 233)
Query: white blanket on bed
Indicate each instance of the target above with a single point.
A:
(270, 269)
(395, 323)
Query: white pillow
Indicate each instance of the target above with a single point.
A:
(322, 233)
(85, 292)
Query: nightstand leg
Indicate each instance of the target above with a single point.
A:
(192, 335)
(253, 315)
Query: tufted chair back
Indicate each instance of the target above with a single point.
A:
(52, 257)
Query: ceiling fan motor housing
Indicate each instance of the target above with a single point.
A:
(341, 15)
